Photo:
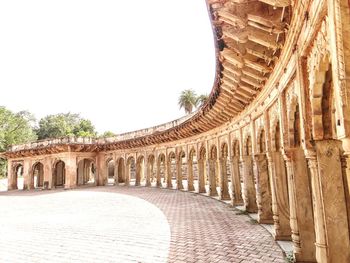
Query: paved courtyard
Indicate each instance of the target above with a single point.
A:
(127, 224)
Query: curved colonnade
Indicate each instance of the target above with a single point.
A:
(273, 136)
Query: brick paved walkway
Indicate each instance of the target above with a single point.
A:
(127, 224)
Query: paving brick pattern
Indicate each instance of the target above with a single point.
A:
(127, 224)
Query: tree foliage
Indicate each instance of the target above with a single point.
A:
(107, 134)
(15, 128)
(188, 100)
(65, 124)
(201, 100)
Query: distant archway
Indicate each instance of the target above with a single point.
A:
(110, 171)
(86, 172)
(161, 174)
(37, 179)
(59, 174)
(130, 171)
(18, 179)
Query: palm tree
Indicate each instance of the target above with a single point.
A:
(201, 100)
(188, 100)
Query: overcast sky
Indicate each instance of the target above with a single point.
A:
(121, 64)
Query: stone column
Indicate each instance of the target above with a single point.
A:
(116, 175)
(148, 173)
(71, 172)
(263, 190)
(159, 182)
(330, 214)
(224, 193)
(101, 170)
(48, 184)
(249, 195)
(201, 175)
(236, 182)
(138, 173)
(300, 203)
(26, 175)
(179, 185)
(168, 174)
(279, 194)
(190, 186)
(11, 177)
(212, 178)
(127, 173)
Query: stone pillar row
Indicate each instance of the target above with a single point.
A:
(302, 192)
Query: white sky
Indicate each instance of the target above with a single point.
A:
(121, 64)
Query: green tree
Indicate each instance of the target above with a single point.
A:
(15, 128)
(107, 134)
(188, 100)
(65, 124)
(201, 100)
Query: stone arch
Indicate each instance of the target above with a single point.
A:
(181, 169)
(110, 169)
(321, 96)
(294, 132)
(140, 170)
(171, 168)
(130, 170)
(86, 171)
(17, 176)
(59, 173)
(248, 146)
(161, 170)
(37, 175)
(235, 148)
(121, 169)
(261, 141)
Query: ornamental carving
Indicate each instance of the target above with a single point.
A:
(319, 55)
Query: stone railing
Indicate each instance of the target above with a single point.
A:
(90, 140)
(55, 141)
(147, 131)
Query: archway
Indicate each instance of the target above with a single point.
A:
(86, 172)
(161, 170)
(59, 174)
(110, 172)
(37, 180)
(181, 170)
(18, 179)
(171, 169)
(130, 171)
